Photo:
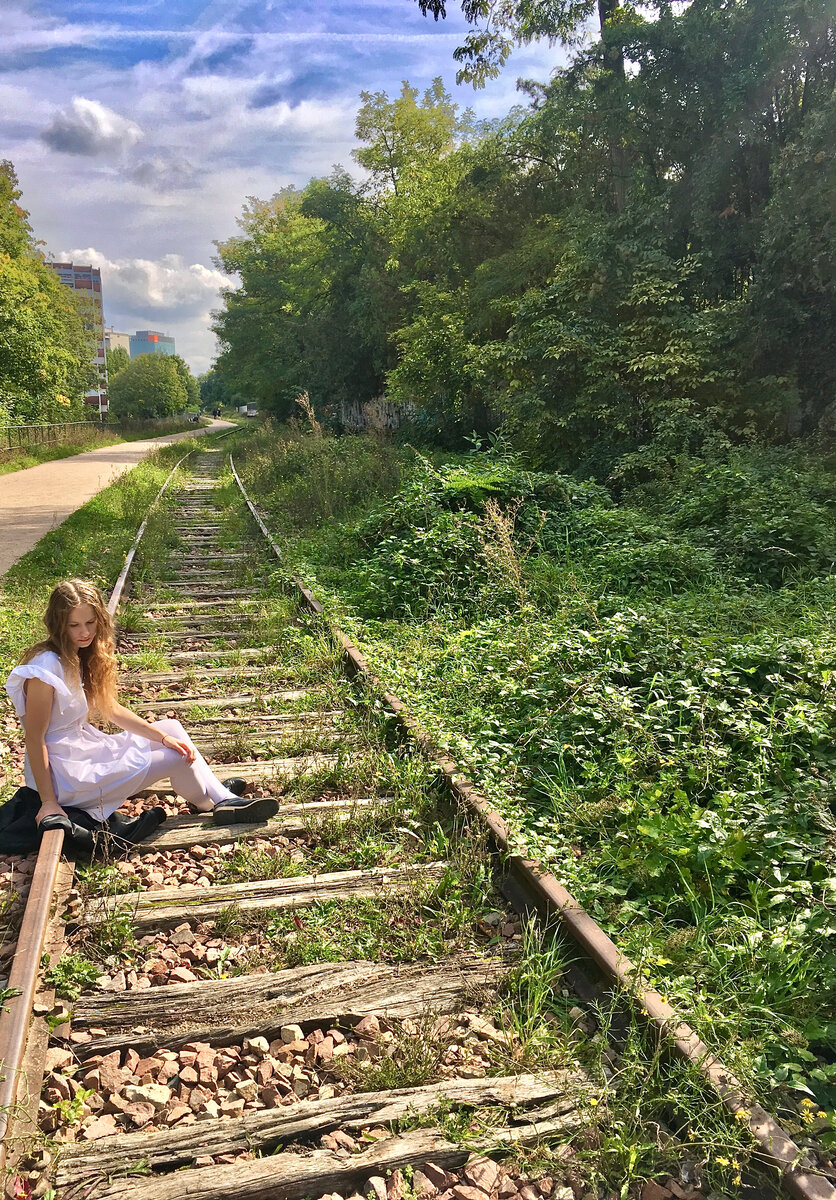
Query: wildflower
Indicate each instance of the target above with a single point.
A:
(742, 1114)
(593, 1100)
(821, 1113)
(724, 1162)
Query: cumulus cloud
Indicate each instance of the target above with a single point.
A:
(167, 293)
(166, 285)
(88, 127)
(162, 174)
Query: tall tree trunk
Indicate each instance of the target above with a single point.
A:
(614, 61)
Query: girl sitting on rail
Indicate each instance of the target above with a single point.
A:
(71, 763)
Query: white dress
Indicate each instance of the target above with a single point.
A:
(90, 769)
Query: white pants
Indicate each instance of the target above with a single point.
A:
(193, 781)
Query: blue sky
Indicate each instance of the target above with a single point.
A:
(138, 128)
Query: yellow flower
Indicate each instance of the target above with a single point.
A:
(742, 1114)
(821, 1113)
(593, 1100)
(62, 400)
(724, 1162)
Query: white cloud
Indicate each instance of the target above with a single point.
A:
(168, 293)
(162, 173)
(167, 285)
(88, 127)
(243, 101)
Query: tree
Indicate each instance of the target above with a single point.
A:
(151, 386)
(45, 351)
(403, 135)
(794, 292)
(189, 382)
(117, 359)
(637, 263)
(215, 391)
(503, 24)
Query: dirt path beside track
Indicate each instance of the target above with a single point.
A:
(36, 500)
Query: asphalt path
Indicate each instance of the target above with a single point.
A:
(38, 499)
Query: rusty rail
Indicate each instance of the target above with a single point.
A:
(548, 894)
(23, 978)
(118, 587)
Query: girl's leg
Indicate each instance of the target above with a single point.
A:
(194, 781)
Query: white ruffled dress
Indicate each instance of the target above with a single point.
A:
(90, 769)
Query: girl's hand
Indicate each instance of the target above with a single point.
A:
(173, 743)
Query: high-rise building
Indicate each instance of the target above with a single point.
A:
(117, 341)
(151, 341)
(88, 282)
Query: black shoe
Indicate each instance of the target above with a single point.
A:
(130, 832)
(72, 832)
(236, 785)
(244, 810)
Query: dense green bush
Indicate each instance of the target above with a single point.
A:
(311, 479)
(428, 548)
(770, 515)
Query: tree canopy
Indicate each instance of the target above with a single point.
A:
(117, 359)
(45, 350)
(151, 386)
(636, 261)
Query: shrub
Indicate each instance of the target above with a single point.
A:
(767, 513)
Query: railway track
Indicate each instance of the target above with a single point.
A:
(329, 1004)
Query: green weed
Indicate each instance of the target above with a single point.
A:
(70, 975)
(403, 1059)
(428, 923)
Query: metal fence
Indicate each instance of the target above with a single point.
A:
(12, 436)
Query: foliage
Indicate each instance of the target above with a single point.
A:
(191, 385)
(314, 480)
(634, 265)
(71, 975)
(503, 26)
(117, 360)
(45, 351)
(320, 268)
(215, 391)
(794, 299)
(767, 515)
(658, 729)
(151, 386)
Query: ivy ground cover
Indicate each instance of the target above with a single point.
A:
(642, 684)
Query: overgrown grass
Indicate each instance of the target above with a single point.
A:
(642, 685)
(427, 923)
(19, 458)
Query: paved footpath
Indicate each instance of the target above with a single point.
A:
(37, 499)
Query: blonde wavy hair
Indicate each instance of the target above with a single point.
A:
(94, 665)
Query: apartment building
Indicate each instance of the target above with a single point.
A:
(87, 281)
